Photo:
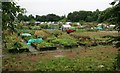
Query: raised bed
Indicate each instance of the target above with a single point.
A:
(70, 46)
(13, 51)
(18, 50)
(47, 48)
(23, 50)
(18, 47)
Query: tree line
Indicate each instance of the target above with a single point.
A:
(76, 16)
(44, 18)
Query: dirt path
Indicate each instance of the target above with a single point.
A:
(31, 49)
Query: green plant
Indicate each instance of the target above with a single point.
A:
(75, 64)
(44, 44)
(36, 27)
(56, 33)
(51, 38)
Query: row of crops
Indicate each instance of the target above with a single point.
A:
(52, 40)
(56, 39)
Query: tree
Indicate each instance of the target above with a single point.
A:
(52, 17)
(32, 21)
(105, 15)
(96, 14)
(9, 14)
(116, 13)
(89, 19)
(31, 17)
(43, 18)
(79, 16)
(74, 17)
(38, 18)
(20, 17)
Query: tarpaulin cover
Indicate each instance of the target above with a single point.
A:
(99, 28)
(34, 40)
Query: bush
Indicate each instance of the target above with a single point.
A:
(51, 38)
(44, 26)
(85, 43)
(19, 47)
(56, 33)
(41, 34)
(36, 27)
(43, 46)
(65, 42)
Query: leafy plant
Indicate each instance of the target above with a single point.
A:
(56, 33)
(41, 34)
(44, 44)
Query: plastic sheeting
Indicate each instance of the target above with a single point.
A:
(99, 28)
(34, 40)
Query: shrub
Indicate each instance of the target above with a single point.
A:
(44, 26)
(41, 34)
(51, 38)
(44, 44)
(18, 47)
(65, 42)
(56, 33)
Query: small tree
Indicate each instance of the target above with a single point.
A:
(116, 13)
(9, 14)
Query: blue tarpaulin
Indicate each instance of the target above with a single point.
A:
(99, 28)
(34, 40)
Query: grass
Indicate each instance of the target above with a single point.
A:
(92, 58)
(82, 58)
(96, 34)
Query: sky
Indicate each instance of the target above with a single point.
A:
(62, 7)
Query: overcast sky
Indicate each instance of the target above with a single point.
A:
(62, 7)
